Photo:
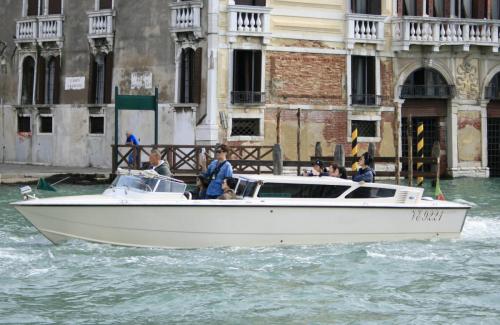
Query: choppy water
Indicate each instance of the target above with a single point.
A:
(413, 282)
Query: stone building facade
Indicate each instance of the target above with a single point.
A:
(240, 71)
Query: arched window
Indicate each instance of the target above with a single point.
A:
(493, 90)
(28, 81)
(425, 83)
(52, 81)
(190, 76)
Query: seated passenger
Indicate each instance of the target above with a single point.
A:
(157, 164)
(365, 173)
(317, 170)
(201, 188)
(228, 186)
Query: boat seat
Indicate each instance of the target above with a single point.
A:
(188, 195)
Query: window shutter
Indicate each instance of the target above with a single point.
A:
(40, 80)
(479, 9)
(57, 80)
(32, 8)
(108, 77)
(105, 4)
(257, 71)
(420, 8)
(375, 7)
(196, 80)
(370, 75)
(55, 7)
(92, 81)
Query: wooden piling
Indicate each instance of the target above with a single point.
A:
(420, 152)
(318, 151)
(298, 138)
(371, 151)
(409, 133)
(278, 126)
(339, 155)
(354, 150)
(277, 160)
(436, 153)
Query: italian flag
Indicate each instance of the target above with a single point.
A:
(439, 194)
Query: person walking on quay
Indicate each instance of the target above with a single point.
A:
(365, 173)
(132, 140)
(217, 171)
(157, 164)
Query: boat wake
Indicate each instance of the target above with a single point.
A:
(481, 228)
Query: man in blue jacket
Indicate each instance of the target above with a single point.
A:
(217, 171)
(365, 173)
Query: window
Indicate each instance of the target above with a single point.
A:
(410, 7)
(250, 2)
(425, 83)
(55, 7)
(363, 80)
(105, 4)
(245, 127)
(365, 128)
(371, 193)
(190, 76)
(96, 124)
(28, 81)
(371, 7)
(101, 78)
(310, 191)
(45, 125)
(48, 80)
(33, 8)
(23, 123)
(245, 188)
(247, 72)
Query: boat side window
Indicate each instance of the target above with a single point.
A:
(242, 184)
(170, 186)
(371, 193)
(250, 189)
(311, 191)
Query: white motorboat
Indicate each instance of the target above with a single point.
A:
(147, 210)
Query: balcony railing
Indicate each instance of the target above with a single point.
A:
(430, 91)
(101, 23)
(41, 29)
(366, 100)
(248, 97)
(249, 21)
(27, 29)
(492, 92)
(439, 32)
(365, 29)
(186, 17)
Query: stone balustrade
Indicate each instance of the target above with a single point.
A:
(439, 32)
(101, 23)
(186, 17)
(365, 29)
(248, 21)
(40, 29)
(26, 29)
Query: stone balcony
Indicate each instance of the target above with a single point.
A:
(40, 29)
(437, 32)
(365, 29)
(248, 21)
(186, 19)
(101, 29)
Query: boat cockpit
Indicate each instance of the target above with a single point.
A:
(147, 181)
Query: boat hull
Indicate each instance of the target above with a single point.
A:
(189, 226)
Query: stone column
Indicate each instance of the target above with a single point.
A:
(452, 135)
(484, 136)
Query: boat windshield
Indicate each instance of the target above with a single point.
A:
(146, 184)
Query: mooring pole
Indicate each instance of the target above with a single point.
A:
(298, 140)
(420, 153)
(409, 133)
(354, 150)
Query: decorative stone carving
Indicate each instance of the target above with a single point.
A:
(467, 81)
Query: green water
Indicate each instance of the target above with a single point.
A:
(412, 282)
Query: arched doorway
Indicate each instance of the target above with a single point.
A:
(426, 94)
(493, 115)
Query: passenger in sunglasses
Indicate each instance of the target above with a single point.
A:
(218, 170)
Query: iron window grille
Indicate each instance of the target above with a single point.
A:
(427, 91)
(245, 127)
(96, 124)
(248, 97)
(366, 100)
(45, 124)
(23, 123)
(366, 129)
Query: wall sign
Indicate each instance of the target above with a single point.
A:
(140, 80)
(74, 83)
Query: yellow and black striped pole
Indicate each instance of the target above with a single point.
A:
(420, 152)
(354, 150)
